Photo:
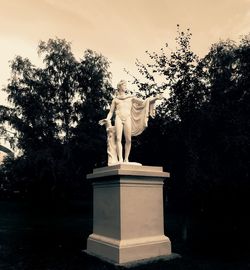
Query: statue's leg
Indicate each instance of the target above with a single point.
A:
(118, 130)
(127, 134)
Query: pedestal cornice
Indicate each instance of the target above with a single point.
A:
(128, 170)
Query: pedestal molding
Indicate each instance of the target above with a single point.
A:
(128, 182)
(128, 242)
(128, 170)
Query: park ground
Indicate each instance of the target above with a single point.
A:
(33, 238)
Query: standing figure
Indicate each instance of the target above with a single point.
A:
(131, 118)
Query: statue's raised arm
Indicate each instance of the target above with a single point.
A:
(131, 118)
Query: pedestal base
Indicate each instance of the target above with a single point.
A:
(128, 222)
(125, 251)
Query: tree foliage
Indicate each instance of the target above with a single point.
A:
(202, 131)
(55, 111)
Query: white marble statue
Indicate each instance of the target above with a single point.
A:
(131, 118)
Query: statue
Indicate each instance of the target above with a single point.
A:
(131, 118)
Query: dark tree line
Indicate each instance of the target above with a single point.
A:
(202, 133)
(202, 127)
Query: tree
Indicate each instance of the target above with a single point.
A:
(55, 111)
(202, 130)
(181, 76)
(95, 89)
(227, 140)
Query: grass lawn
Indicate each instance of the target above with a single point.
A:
(36, 240)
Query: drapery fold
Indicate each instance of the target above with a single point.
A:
(140, 114)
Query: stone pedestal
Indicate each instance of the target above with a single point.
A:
(128, 223)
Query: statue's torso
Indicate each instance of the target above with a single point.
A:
(123, 107)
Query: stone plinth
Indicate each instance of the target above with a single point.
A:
(128, 223)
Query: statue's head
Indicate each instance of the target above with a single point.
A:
(122, 86)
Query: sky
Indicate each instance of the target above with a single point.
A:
(120, 30)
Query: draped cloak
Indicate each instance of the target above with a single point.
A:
(139, 115)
